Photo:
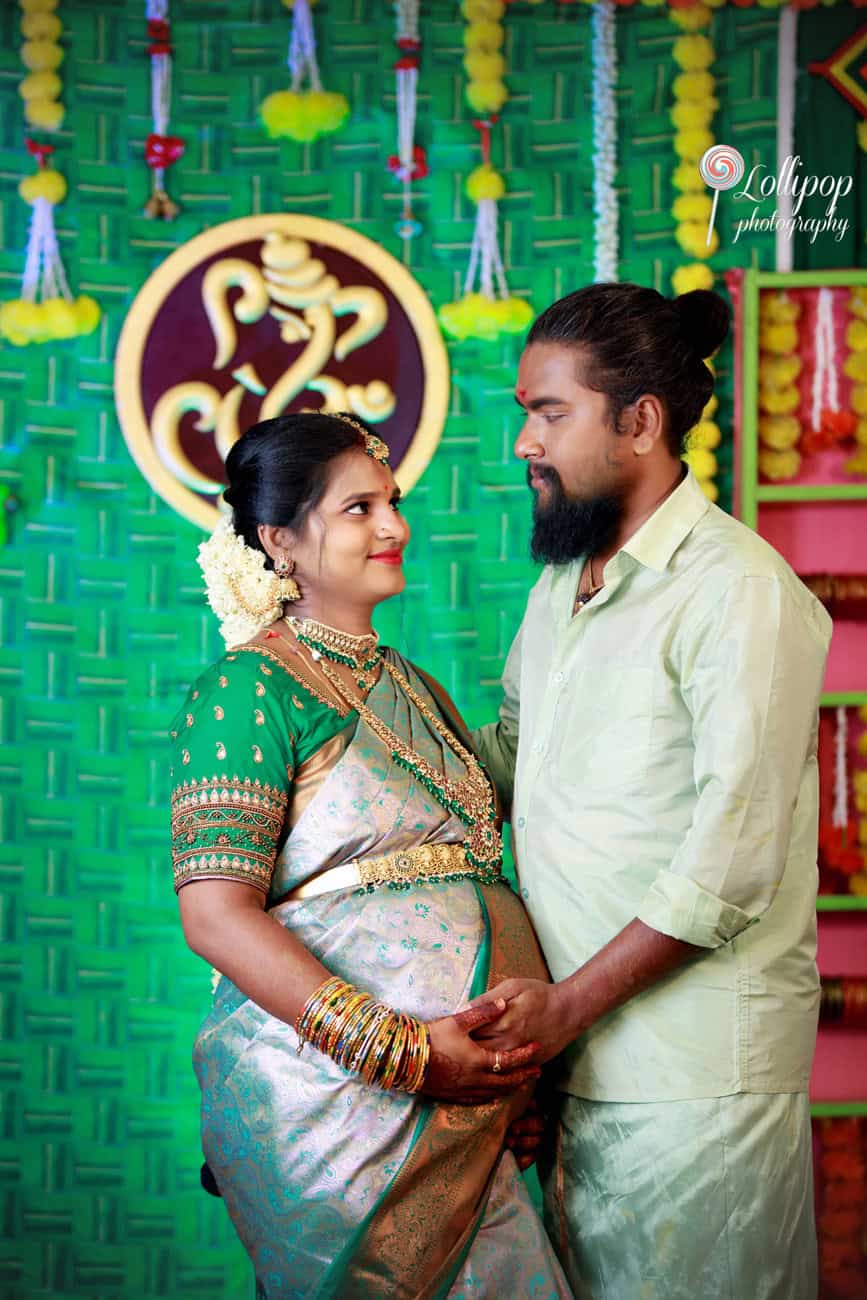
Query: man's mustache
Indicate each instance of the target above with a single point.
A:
(543, 472)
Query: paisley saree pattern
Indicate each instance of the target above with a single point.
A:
(335, 1188)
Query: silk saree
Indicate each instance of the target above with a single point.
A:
(337, 1189)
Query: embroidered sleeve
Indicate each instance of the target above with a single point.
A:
(232, 774)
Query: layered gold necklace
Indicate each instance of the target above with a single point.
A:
(470, 799)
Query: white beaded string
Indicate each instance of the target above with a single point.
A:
(840, 813)
(302, 47)
(604, 58)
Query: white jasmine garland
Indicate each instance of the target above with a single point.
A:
(244, 595)
(604, 56)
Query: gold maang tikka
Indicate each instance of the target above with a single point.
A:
(374, 446)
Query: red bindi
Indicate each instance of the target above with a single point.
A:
(520, 393)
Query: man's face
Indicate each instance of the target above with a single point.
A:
(577, 462)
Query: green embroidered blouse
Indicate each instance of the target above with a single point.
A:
(246, 726)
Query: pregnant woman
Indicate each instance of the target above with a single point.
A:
(337, 858)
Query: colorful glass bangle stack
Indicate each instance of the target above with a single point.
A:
(387, 1048)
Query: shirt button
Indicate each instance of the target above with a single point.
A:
(522, 821)
(538, 747)
(559, 677)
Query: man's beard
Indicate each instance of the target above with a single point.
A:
(565, 528)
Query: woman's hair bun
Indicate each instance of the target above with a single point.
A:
(704, 320)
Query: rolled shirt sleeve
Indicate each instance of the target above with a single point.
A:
(751, 677)
(497, 742)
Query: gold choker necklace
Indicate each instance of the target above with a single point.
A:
(360, 653)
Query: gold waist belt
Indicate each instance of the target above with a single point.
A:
(420, 863)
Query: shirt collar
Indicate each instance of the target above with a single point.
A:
(658, 538)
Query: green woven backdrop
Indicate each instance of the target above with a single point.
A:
(103, 622)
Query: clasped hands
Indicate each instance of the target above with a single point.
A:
(499, 1043)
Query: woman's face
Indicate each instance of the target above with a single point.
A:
(350, 548)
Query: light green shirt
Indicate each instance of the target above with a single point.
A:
(662, 746)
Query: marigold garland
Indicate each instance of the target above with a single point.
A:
(691, 115)
(842, 1185)
(702, 442)
(856, 339)
(41, 55)
(779, 396)
(46, 309)
(858, 882)
(300, 114)
(489, 310)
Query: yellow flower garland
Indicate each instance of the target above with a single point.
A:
(691, 115)
(480, 315)
(702, 441)
(42, 56)
(856, 338)
(858, 883)
(779, 396)
(23, 320)
(303, 114)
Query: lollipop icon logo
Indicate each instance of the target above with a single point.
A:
(721, 167)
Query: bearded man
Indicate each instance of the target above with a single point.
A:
(657, 744)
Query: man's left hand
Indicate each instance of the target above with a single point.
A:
(535, 1012)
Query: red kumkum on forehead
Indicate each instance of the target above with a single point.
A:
(520, 393)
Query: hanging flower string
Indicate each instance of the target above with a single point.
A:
(842, 844)
(856, 369)
(490, 310)
(486, 309)
(41, 55)
(858, 882)
(702, 442)
(780, 365)
(604, 56)
(161, 149)
(829, 424)
(46, 308)
(691, 115)
(301, 114)
(410, 162)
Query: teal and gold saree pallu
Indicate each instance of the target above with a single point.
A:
(335, 1188)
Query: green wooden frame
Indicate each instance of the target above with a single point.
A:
(753, 494)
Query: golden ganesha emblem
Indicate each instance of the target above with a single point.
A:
(270, 314)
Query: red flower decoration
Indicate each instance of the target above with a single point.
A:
(839, 850)
(838, 424)
(162, 47)
(163, 150)
(38, 151)
(406, 62)
(158, 30)
(419, 167)
(407, 43)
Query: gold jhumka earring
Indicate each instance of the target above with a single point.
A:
(287, 587)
